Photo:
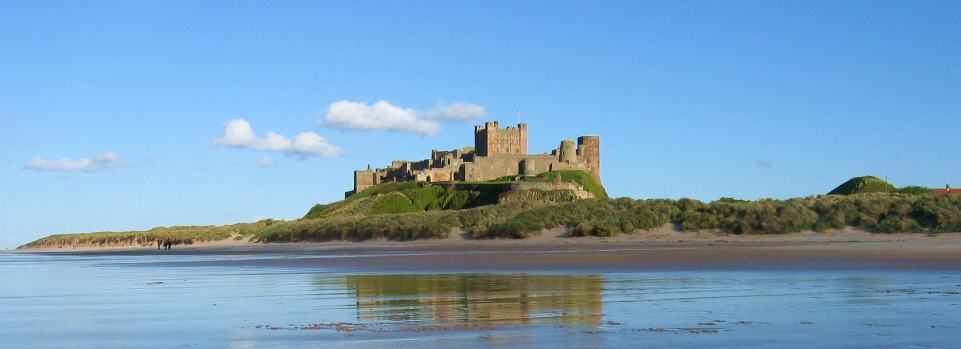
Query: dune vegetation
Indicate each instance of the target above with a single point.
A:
(410, 211)
(878, 212)
(175, 234)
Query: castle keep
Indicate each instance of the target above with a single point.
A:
(497, 152)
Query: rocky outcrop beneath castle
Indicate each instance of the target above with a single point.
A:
(537, 195)
(577, 190)
(526, 190)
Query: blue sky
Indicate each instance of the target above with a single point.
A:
(694, 99)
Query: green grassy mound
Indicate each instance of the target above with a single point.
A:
(863, 185)
(582, 178)
(401, 197)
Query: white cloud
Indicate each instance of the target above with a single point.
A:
(239, 134)
(102, 161)
(265, 161)
(384, 116)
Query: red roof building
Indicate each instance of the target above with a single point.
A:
(947, 190)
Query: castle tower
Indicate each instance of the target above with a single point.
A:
(589, 147)
(567, 153)
(491, 140)
(364, 179)
(528, 167)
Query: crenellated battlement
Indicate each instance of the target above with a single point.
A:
(491, 140)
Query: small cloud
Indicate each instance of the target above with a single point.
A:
(239, 134)
(102, 161)
(763, 163)
(384, 116)
(381, 116)
(265, 161)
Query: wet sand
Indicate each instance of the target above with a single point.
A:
(554, 250)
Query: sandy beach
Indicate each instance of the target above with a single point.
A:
(665, 248)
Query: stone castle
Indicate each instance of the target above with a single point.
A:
(497, 152)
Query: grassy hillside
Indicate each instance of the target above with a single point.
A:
(863, 185)
(401, 197)
(878, 212)
(582, 178)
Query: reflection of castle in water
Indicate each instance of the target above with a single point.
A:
(491, 299)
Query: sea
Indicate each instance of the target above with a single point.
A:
(181, 301)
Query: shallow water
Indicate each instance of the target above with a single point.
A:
(61, 301)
